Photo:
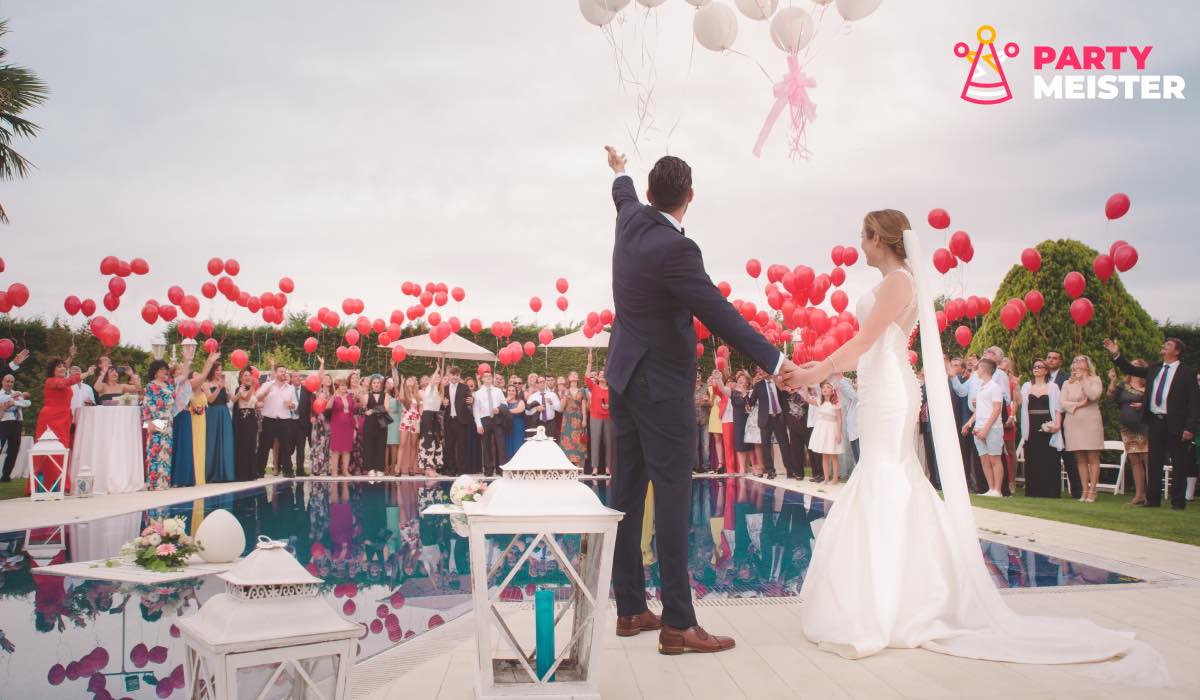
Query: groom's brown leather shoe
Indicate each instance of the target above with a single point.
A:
(672, 641)
(631, 625)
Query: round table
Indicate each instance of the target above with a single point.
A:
(109, 440)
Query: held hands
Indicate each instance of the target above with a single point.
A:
(616, 161)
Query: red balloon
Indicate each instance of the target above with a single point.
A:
(239, 359)
(561, 303)
(319, 406)
(724, 288)
(545, 336)
(818, 321)
(1125, 259)
(849, 256)
(1103, 266)
(167, 312)
(967, 254)
(984, 305)
(72, 305)
(215, 265)
(440, 298)
(943, 260)
(606, 317)
(1112, 249)
(211, 345)
(363, 325)
(209, 290)
(332, 319)
(351, 336)
(17, 294)
(963, 335)
(1082, 310)
(353, 353)
(139, 266)
(110, 336)
(753, 268)
(188, 328)
(942, 322)
(435, 319)
(252, 304)
(939, 219)
(108, 265)
(837, 276)
(426, 299)
(175, 294)
(342, 356)
(530, 348)
(150, 314)
(190, 305)
(310, 345)
(1031, 259)
(1116, 207)
(972, 310)
(286, 285)
(475, 325)
(839, 300)
(1034, 301)
(561, 285)
(458, 294)
(312, 382)
(116, 285)
(232, 267)
(111, 302)
(399, 353)
(804, 277)
(960, 243)
(1011, 316)
(1074, 284)
(837, 255)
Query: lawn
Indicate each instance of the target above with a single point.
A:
(12, 489)
(1109, 513)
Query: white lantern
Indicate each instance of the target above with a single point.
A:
(268, 635)
(539, 500)
(81, 484)
(48, 451)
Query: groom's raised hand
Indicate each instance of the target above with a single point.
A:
(789, 375)
(616, 161)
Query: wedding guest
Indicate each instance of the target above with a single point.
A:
(188, 442)
(1012, 410)
(394, 403)
(701, 400)
(728, 445)
(158, 412)
(771, 402)
(985, 424)
(826, 437)
(1054, 363)
(600, 421)
(737, 400)
(753, 435)
(245, 428)
(410, 427)
(961, 375)
(218, 448)
(572, 435)
(848, 400)
(474, 464)
(1084, 437)
(11, 403)
(928, 453)
(490, 403)
(302, 424)
(714, 434)
(541, 406)
(1041, 434)
(375, 427)
(1130, 397)
(82, 393)
(429, 458)
(530, 384)
(1172, 417)
(516, 410)
(278, 401)
(796, 422)
(456, 417)
(358, 391)
(109, 386)
(341, 428)
(318, 456)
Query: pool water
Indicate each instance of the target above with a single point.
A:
(384, 566)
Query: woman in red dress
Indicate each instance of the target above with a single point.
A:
(55, 415)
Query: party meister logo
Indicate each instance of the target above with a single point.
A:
(1065, 73)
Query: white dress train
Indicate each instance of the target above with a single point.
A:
(895, 565)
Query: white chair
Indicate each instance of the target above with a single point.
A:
(1118, 486)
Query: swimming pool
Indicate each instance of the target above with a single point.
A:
(383, 565)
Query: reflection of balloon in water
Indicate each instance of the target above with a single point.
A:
(757, 9)
(792, 29)
(594, 13)
(852, 10)
(715, 26)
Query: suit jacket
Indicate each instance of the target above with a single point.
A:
(758, 396)
(463, 412)
(1183, 400)
(659, 283)
(304, 405)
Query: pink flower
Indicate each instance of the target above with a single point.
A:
(165, 550)
(147, 532)
(158, 527)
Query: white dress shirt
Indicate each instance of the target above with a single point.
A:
(849, 402)
(1167, 374)
(430, 400)
(81, 394)
(13, 412)
(487, 399)
(970, 388)
(452, 390)
(276, 396)
(549, 405)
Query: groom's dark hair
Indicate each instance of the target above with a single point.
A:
(670, 180)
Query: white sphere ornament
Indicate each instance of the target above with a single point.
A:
(595, 14)
(650, 3)
(757, 9)
(822, 2)
(792, 29)
(698, 3)
(221, 536)
(612, 5)
(853, 10)
(715, 26)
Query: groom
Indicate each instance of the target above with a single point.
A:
(659, 283)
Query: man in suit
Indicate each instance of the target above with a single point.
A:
(458, 418)
(11, 403)
(795, 418)
(659, 284)
(772, 405)
(1056, 374)
(1172, 414)
(302, 425)
(541, 407)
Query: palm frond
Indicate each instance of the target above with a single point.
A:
(3, 215)
(20, 89)
(13, 164)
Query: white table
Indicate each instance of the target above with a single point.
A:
(109, 440)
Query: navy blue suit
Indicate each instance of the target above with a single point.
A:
(659, 283)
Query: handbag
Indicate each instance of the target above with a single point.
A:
(383, 419)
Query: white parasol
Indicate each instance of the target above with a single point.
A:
(454, 346)
(579, 340)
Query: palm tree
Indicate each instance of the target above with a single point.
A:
(20, 89)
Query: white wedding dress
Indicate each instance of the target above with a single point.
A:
(895, 565)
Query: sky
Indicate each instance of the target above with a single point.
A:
(356, 145)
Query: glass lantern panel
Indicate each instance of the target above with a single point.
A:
(293, 679)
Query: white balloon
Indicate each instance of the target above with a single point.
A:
(612, 5)
(822, 2)
(757, 9)
(698, 3)
(651, 3)
(715, 26)
(852, 10)
(595, 14)
(222, 537)
(792, 29)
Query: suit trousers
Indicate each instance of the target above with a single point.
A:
(492, 445)
(275, 429)
(300, 438)
(1164, 445)
(775, 426)
(601, 443)
(456, 447)
(797, 429)
(10, 439)
(655, 444)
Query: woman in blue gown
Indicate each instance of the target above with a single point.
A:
(516, 436)
(218, 454)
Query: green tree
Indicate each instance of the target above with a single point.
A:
(20, 90)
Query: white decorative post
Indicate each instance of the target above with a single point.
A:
(268, 635)
(51, 449)
(538, 499)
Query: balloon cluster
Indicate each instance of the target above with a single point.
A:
(958, 248)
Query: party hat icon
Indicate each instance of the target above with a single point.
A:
(983, 88)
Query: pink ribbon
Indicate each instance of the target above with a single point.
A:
(791, 91)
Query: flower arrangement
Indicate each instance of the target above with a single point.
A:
(162, 546)
(466, 489)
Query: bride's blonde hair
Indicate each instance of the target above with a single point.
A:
(888, 225)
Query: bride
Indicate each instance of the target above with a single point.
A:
(896, 565)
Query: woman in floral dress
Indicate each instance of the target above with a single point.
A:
(319, 449)
(410, 426)
(359, 393)
(572, 436)
(159, 405)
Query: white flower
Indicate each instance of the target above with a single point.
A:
(153, 540)
(174, 527)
